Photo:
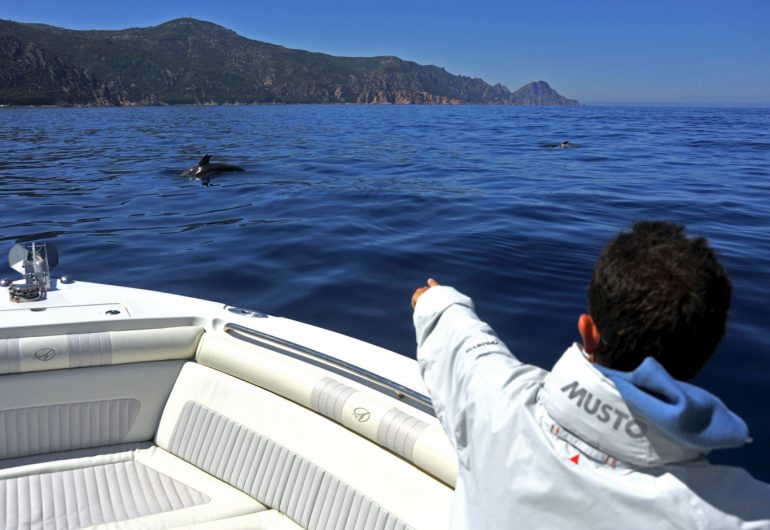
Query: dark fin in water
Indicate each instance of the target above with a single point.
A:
(204, 161)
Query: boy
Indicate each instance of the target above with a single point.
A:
(612, 437)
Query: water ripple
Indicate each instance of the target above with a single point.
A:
(342, 210)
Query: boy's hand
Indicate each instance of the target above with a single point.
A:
(418, 293)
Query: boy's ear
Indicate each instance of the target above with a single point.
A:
(590, 334)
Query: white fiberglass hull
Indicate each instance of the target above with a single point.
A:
(230, 417)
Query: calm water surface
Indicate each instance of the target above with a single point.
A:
(343, 210)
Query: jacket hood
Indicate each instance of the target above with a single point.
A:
(644, 417)
(684, 412)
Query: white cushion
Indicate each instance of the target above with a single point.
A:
(77, 350)
(267, 520)
(225, 408)
(144, 488)
(62, 410)
(408, 432)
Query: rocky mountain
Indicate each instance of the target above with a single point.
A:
(188, 61)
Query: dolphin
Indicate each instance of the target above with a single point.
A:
(566, 144)
(205, 169)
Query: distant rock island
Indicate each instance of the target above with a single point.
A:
(188, 61)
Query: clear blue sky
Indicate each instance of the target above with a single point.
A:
(598, 51)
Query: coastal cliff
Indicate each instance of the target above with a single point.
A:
(187, 61)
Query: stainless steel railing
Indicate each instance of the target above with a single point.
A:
(298, 351)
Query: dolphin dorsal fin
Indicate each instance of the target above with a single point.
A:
(204, 161)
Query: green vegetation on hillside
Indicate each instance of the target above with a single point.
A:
(187, 61)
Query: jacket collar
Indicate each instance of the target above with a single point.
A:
(587, 403)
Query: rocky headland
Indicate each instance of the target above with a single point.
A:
(188, 61)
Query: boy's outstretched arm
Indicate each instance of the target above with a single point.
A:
(468, 370)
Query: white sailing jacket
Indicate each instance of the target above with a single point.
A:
(567, 449)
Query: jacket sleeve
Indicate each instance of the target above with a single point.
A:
(468, 370)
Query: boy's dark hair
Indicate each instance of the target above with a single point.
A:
(656, 293)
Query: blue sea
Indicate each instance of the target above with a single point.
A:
(342, 211)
